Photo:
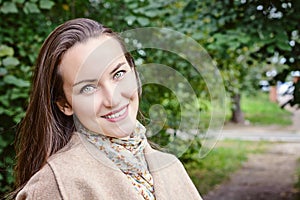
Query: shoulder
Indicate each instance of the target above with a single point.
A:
(170, 175)
(72, 148)
(158, 160)
(41, 186)
(76, 155)
(44, 184)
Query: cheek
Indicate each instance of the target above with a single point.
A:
(128, 86)
(85, 106)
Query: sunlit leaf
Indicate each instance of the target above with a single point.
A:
(46, 4)
(10, 79)
(130, 19)
(6, 51)
(31, 8)
(143, 21)
(3, 71)
(284, 46)
(10, 62)
(9, 7)
(19, 1)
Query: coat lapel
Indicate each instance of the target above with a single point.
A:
(159, 164)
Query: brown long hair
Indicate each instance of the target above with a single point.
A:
(45, 129)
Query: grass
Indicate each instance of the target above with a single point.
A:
(223, 160)
(297, 184)
(257, 109)
(260, 111)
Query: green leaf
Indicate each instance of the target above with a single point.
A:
(284, 46)
(46, 4)
(6, 51)
(19, 117)
(143, 21)
(9, 7)
(234, 45)
(10, 62)
(3, 143)
(19, 1)
(197, 35)
(19, 93)
(1, 112)
(31, 8)
(132, 6)
(270, 49)
(152, 13)
(4, 100)
(244, 39)
(130, 19)
(3, 71)
(10, 79)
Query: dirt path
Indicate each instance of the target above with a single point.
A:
(268, 176)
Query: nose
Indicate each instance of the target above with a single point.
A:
(111, 96)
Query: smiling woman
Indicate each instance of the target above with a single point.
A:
(80, 138)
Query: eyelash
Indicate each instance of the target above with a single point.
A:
(87, 86)
(117, 73)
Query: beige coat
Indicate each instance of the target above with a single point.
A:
(81, 171)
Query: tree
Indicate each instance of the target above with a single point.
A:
(242, 35)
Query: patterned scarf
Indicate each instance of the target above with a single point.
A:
(128, 155)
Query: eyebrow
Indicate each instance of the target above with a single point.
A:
(117, 67)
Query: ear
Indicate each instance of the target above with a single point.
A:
(65, 107)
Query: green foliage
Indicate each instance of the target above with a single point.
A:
(26, 6)
(167, 97)
(46, 4)
(9, 7)
(13, 86)
(239, 35)
(191, 155)
(21, 35)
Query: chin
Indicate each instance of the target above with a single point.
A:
(124, 130)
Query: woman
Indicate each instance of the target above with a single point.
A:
(80, 138)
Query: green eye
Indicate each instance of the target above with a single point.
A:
(88, 89)
(119, 74)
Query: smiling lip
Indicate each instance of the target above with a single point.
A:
(116, 115)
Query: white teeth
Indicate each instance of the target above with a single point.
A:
(115, 115)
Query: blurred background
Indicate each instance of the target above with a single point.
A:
(254, 43)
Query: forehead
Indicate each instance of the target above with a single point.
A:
(90, 58)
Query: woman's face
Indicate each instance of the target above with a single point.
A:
(100, 87)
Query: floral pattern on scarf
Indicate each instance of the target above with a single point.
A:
(128, 155)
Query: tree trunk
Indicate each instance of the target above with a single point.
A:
(237, 114)
(273, 94)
